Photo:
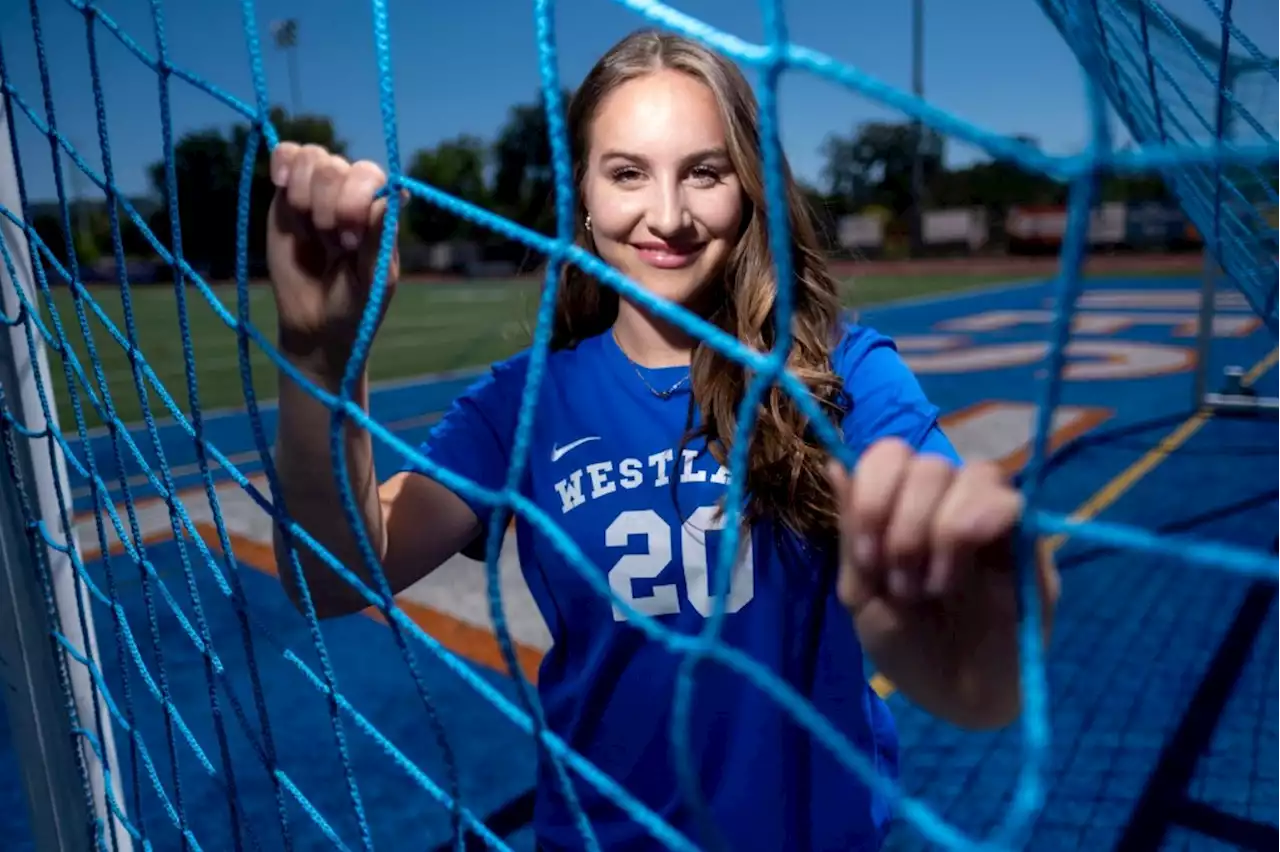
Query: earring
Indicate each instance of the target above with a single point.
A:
(586, 223)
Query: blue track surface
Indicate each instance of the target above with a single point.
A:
(1163, 677)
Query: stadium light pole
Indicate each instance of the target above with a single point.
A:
(80, 224)
(285, 34)
(917, 164)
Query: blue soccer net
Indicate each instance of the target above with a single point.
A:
(109, 747)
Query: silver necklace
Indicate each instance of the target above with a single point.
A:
(660, 394)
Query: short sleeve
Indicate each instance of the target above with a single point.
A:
(473, 439)
(884, 397)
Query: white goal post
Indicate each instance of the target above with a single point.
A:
(56, 762)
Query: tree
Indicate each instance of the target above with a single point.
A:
(873, 166)
(206, 170)
(824, 215)
(90, 231)
(457, 167)
(846, 182)
(207, 164)
(996, 185)
(524, 185)
(48, 227)
(131, 238)
(1133, 188)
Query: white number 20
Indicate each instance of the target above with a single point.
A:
(664, 599)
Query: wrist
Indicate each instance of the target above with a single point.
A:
(324, 364)
(324, 376)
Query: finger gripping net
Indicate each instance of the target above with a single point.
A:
(1209, 172)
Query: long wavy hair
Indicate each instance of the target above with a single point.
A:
(785, 478)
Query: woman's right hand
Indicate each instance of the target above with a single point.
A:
(323, 233)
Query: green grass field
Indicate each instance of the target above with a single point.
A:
(429, 328)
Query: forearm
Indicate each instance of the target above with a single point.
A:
(311, 494)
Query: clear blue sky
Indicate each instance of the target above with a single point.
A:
(459, 66)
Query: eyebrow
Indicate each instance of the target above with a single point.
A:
(705, 154)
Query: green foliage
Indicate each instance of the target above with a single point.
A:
(208, 165)
(874, 164)
(513, 177)
(523, 182)
(456, 166)
(870, 168)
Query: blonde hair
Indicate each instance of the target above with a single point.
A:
(785, 477)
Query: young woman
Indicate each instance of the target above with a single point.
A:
(907, 558)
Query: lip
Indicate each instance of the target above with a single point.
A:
(663, 256)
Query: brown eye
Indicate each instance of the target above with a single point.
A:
(625, 173)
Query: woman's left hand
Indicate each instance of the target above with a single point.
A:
(927, 570)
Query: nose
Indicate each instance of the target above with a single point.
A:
(668, 213)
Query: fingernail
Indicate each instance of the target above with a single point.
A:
(939, 576)
(899, 582)
(280, 177)
(349, 241)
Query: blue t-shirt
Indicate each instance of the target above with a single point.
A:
(604, 454)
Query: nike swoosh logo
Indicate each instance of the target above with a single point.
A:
(557, 453)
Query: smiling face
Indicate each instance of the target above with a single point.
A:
(665, 203)
(666, 158)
